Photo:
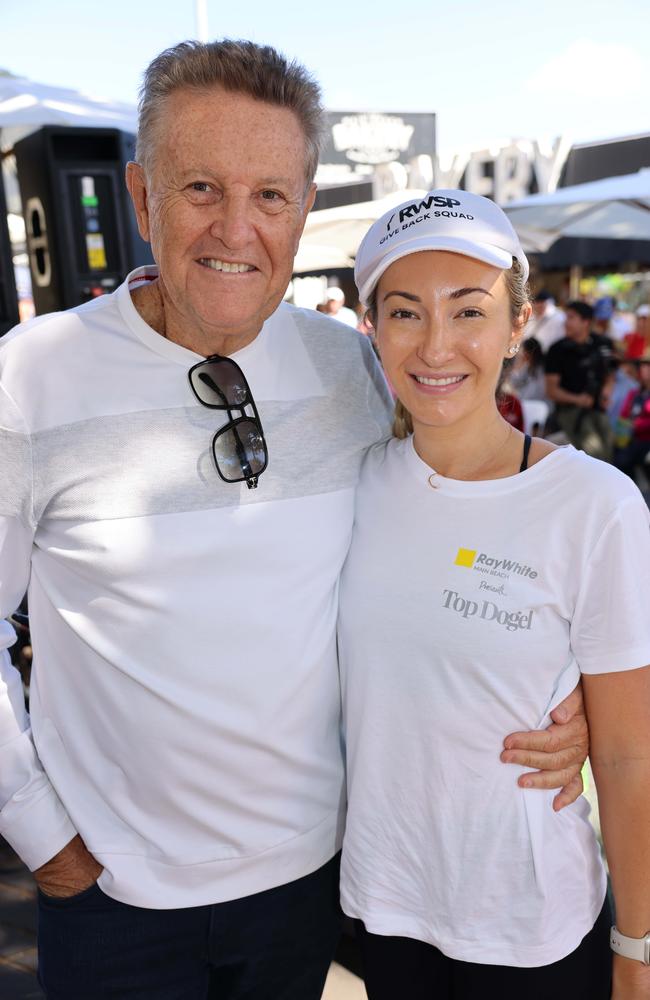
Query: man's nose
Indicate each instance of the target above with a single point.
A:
(233, 224)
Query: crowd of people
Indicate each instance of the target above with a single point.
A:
(594, 378)
(580, 377)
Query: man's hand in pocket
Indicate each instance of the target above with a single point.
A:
(69, 872)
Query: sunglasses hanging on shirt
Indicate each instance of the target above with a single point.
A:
(238, 448)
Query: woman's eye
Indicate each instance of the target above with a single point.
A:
(402, 314)
(471, 312)
(201, 186)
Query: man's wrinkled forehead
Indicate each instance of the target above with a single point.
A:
(189, 120)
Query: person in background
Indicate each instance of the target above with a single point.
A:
(622, 322)
(334, 306)
(546, 323)
(637, 343)
(604, 308)
(578, 377)
(624, 381)
(634, 424)
(487, 571)
(526, 373)
(509, 405)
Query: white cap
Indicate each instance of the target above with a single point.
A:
(452, 220)
(643, 311)
(335, 293)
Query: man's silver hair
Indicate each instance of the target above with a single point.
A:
(259, 71)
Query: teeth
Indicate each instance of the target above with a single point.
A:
(439, 381)
(224, 265)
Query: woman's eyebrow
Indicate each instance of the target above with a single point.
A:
(458, 294)
(404, 295)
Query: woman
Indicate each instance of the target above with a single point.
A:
(635, 416)
(526, 377)
(481, 561)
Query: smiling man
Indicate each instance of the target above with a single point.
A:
(177, 471)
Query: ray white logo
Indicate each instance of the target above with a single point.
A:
(481, 562)
(488, 611)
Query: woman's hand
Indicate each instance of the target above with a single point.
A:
(558, 751)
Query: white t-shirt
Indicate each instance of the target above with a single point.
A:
(547, 329)
(185, 699)
(468, 611)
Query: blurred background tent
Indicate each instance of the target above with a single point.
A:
(26, 105)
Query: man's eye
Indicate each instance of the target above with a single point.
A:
(201, 186)
(272, 201)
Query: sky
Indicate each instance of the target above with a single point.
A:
(491, 71)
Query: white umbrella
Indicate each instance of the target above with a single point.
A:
(25, 106)
(611, 208)
(344, 227)
(313, 257)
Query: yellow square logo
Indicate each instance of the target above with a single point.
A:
(466, 557)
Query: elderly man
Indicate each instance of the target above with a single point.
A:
(177, 486)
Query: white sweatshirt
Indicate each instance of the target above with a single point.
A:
(185, 698)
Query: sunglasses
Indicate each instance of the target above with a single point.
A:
(238, 448)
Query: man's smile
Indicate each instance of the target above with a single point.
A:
(232, 267)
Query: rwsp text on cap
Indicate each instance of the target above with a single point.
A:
(452, 220)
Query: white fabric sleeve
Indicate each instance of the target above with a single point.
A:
(378, 395)
(610, 630)
(32, 817)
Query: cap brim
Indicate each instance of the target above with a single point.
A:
(485, 252)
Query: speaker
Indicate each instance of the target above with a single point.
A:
(82, 237)
(8, 296)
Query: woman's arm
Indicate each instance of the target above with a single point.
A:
(618, 714)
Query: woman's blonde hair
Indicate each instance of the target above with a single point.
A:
(519, 298)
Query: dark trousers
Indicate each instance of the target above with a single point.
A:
(274, 945)
(588, 430)
(402, 967)
(629, 458)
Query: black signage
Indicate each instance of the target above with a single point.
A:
(371, 138)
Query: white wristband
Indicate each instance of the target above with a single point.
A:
(629, 947)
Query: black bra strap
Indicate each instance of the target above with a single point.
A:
(527, 443)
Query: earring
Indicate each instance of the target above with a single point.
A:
(513, 349)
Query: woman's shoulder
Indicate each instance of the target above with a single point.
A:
(386, 454)
(601, 483)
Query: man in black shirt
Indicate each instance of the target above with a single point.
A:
(579, 369)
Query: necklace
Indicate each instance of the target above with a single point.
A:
(434, 478)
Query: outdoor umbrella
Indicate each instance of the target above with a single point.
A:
(26, 106)
(343, 227)
(313, 257)
(611, 208)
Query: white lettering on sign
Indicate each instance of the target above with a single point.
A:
(508, 172)
(372, 138)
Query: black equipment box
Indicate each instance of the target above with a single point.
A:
(82, 237)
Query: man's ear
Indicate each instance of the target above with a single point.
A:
(137, 186)
(310, 198)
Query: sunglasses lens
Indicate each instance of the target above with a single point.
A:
(220, 383)
(240, 451)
